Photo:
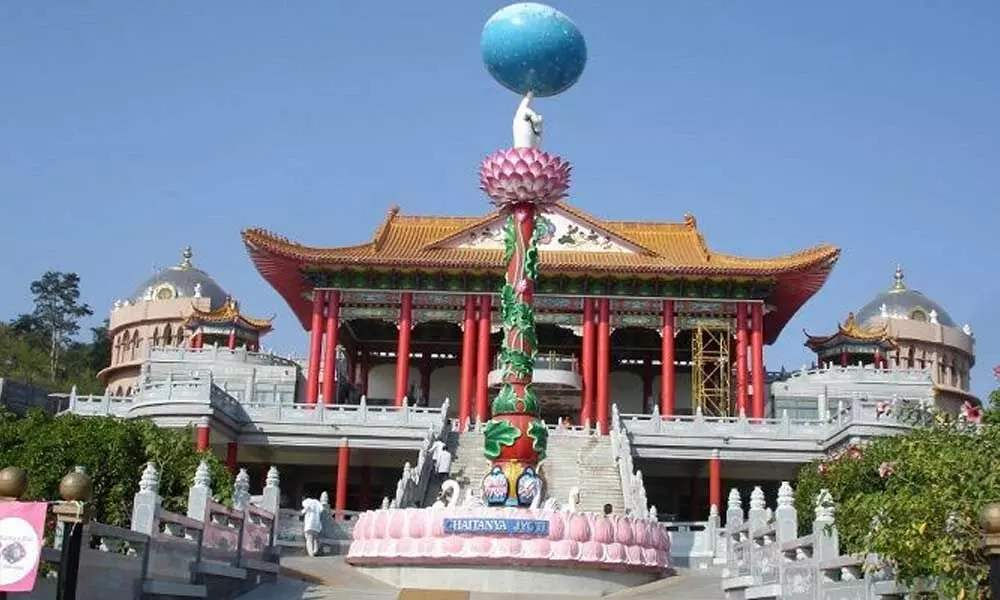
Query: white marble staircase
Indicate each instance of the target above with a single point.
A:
(574, 460)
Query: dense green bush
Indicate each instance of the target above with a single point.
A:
(914, 499)
(113, 452)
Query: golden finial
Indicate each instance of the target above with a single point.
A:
(897, 279)
(689, 221)
(186, 258)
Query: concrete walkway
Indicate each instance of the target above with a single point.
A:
(329, 578)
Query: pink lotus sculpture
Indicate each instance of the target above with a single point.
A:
(524, 175)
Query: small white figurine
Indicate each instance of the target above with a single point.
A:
(197, 290)
(527, 124)
(312, 524)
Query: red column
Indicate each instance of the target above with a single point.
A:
(647, 385)
(741, 359)
(757, 356)
(231, 342)
(603, 363)
(878, 359)
(315, 348)
(843, 358)
(468, 362)
(232, 452)
(483, 359)
(197, 340)
(343, 464)
(204, 435)
(587, 402)
(403, 348)
(715, 480)
(667, 383)
(330, 341)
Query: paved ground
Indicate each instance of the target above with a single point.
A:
(328, 578)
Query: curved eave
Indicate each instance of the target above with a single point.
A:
(817, 343)
(281, 263)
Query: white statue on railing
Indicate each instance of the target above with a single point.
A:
(573, 500)
(312, 524)
(449, 494)
(527, 124)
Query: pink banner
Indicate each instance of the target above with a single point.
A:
(22, 533)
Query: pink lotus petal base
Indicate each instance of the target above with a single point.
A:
(524, 175)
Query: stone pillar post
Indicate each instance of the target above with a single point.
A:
(147, 501)
(315, 348)
(786, 519)
(200, 494)
(826, 540)
(757, 515)
(330, 349)
(271, 500)
(241, 490)
(667, 382)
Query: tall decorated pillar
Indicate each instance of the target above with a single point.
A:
(715, 480)
(588, 355)
(741, 358)
(403, 346)
(315, 348)
(668, 386)
(603, 408)
(757, 357)
(468, 369)
(533, 50)
(330, 347)
(343, 467)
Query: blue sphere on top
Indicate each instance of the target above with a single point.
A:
(533, 47)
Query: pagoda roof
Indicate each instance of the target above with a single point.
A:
(852, 332)
(228, 314)
(615, 249)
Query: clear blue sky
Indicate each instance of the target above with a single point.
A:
(129, 129)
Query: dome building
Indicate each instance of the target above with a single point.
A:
(901, 328)
(178, 306)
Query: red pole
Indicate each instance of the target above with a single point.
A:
(204, 436)
(715, 480)
(483, 359)
(403, 348)
(587, 408)
(667, 382)
(603, 363)
(232, 454)
(315, 348)
(330, 352)
(468, 361)
(741, 358)
(231, 342)
(757, 343)
(343, 464)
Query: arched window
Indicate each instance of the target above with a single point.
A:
(910, 358)
(118, 391)
(167, 336)
(918, 314)
(156, 336)
(134, 346)
(128, 392)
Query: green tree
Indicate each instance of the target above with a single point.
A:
(914, 499)
(114, 453)
(57, 312)
(100, 346)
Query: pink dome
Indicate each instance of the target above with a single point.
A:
(378, 525)
(557, 526)
(602, 530)
(417, 522)
(397, 524)
(623, 531)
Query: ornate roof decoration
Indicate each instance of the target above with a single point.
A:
(228, 314)
(852, 332)
(642, 249)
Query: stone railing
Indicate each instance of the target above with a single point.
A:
(766, 558)
(412, 485)
(350, 414)
(214, 551)
(214, 354)
(696, 544)
(863, 373)
(633, 487)
(338, 528)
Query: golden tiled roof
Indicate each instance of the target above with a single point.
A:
(854, 331)
(228, 313)
(420, 242)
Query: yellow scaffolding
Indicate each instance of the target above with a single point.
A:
(710, 369)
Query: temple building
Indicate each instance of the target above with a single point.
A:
(178, 306)
(902, 328)
(641, 314)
